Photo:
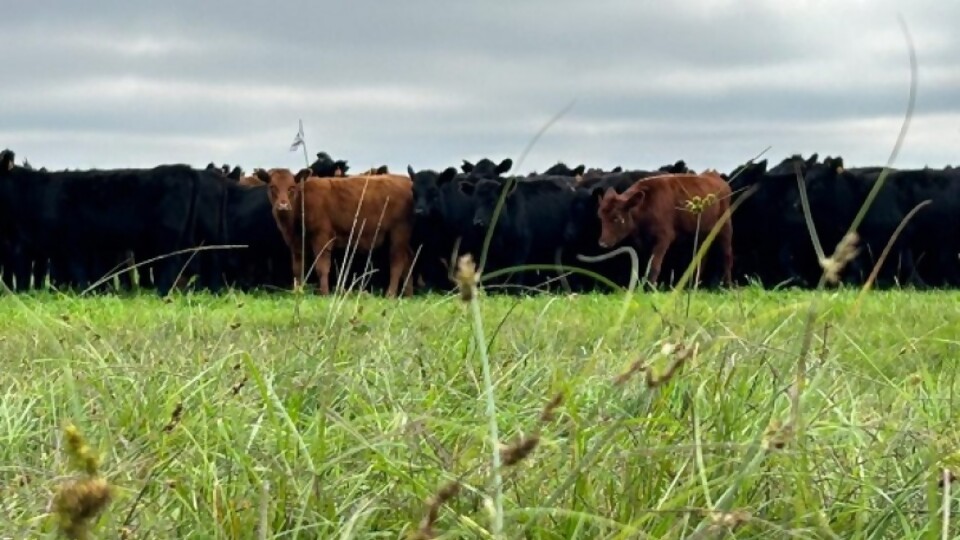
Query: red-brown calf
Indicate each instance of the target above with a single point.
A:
(659, 208)
(330, 206)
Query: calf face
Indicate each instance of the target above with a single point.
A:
(281, 187)
(486, 193)
(427, 197)
(616, 215)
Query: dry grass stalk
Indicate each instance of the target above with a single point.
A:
(636, 367)
(425, 530)
(174, 418)
(682, 354)
(551, 407)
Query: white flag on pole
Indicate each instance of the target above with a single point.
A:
(298, 140)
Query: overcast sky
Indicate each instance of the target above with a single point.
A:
(428, 83)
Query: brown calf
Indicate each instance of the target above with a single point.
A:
(330, 205)
(659, 208)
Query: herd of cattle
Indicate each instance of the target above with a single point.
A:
(403, 232)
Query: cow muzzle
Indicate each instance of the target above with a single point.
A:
(603, 244)
(419, 211)
(283, 207)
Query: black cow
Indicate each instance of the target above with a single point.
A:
(325, 166)
(67, 216)
(531, 225)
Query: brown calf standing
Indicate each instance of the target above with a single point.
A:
(330, 206)
(659, 208)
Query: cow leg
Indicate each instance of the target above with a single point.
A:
(726, 245)
(660, 247)
(324, 262)
(400, 263)
(296, 257)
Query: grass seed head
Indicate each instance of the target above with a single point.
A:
(77, 502)
(518, 451)
(174, 418)
(548, 411)
(636, 367)
(845, 252)
(444, 495)
(467, 277)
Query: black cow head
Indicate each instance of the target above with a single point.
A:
(561, 169)
(236, 174)
(7, 160)
(486, 168)
(326, 167)
(427, 197)
(679, 167)
(487, 192)
(583, 221)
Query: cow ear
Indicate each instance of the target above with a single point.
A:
(635, 199)
(467, 167)
(579, 170)
(302, 175)
(617, 169)
(383, 170)
(410, 172)
(812, 160)
(6, 160)
(504, 166)
(262, 175)
(342, 165)
(466, 187)
(236, 173)
(447, 175)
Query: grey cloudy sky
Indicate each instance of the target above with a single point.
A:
(430, 82)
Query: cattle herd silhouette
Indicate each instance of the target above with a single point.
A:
(179, 227)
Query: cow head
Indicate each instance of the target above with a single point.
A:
(487, 192)
(561, 169)
(282, 186)
(486, 168)
(6, 160)
(583, 214)
(680, 167)
(616, 213)
(427, 197)
(326, 167)
(236, 174)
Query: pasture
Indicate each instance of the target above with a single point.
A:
(272, 416)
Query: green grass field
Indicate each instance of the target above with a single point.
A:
(342, 421)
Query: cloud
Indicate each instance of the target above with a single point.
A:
(429, 83)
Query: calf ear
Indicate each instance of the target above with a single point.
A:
(466, 187)
(467, 167)
(504, 166)
(410, 172)
(635, 199)
(236, 173)
(383, 170)
(302, 175)
(579, 170)
(262, 175)
(447, 175)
